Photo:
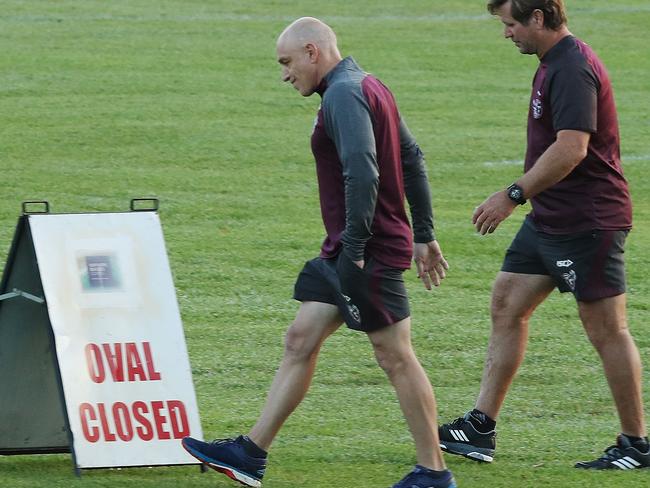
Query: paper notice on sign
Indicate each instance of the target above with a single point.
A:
(105, 272)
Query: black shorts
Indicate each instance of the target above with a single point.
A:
(589, 264)
(368, 299)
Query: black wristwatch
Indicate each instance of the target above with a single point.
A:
(516, 194)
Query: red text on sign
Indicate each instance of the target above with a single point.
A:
(127, 361)
(162, 420)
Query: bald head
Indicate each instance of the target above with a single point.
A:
(307, 51)
(309, 30)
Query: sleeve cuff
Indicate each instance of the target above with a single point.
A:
(424, 237)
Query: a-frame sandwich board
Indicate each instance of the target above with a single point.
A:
(92, 351)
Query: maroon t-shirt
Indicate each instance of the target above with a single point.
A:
(366, 161)
(571, 90)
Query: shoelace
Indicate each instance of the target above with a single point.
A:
(412, 478)
(458, 422)
(218, 442)
(229, 440)
(611, 453)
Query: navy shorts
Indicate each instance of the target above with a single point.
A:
(368, 299)
(588, 264)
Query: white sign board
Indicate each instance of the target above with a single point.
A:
(119, 339)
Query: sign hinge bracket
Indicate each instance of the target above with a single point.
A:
(19, 293)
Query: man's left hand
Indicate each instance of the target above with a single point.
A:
(430, 263)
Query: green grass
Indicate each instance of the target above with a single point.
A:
(105, 101)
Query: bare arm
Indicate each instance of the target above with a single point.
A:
(556, 163)
(568, 150)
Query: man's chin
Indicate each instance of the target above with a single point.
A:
(523, 49)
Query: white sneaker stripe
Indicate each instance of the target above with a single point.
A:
(621, 463)
(633, 461)
(459, 435)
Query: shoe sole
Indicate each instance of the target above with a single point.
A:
(229, 471)
(470, 452)
(622, 465)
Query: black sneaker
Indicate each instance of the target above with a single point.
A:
(422, 477)
(461, 437)
(229, 456)
(621, 456)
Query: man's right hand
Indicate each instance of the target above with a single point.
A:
(494, 210)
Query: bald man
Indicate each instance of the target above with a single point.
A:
(366, 162)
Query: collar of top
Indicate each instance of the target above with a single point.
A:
(555, 51)
(347, 63)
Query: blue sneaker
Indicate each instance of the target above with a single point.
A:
(422, 477)
(231, 457)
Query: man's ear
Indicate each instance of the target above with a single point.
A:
(313, 52)
(537, 17)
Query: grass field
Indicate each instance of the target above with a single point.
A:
(182, 99)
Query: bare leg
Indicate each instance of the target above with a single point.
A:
(313, 324)
(606, 325)
(395, 355)
(514, 298)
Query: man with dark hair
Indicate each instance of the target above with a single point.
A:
(522, 10)
(573, 238)
(367, 162)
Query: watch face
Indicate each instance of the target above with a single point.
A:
(515, 193)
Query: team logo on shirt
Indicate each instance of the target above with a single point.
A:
(537, 107)
(564, 264)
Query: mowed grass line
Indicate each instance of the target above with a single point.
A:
(182, 100)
